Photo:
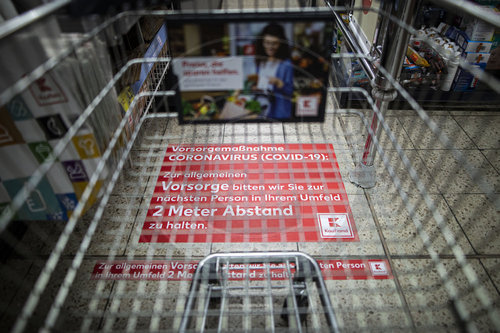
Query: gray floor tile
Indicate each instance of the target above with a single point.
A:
(411, 112)
(492, 266)
(451, 177)
(471, 113)
(140, 305)
(484, 131)
(357, 133)
(368, 306)
(478, 218)
(151, 133)
(423, 138)
(385, 180)
(346, 166)
(400, 231)
(329, 131)
(227, 4)
(142, 172)
(253, 133)
(13, 289)
(115, 226)
(428, 299)
(86, 301)
(190, 134)
(493, 156)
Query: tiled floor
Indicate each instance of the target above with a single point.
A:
(416, 296)
(439, 236)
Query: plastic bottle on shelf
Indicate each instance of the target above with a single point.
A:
(440, 42)
(452, 61)
(416, 44)
(420, 33)
(416, 41)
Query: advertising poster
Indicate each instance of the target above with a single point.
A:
(232, 71)
(249, 193)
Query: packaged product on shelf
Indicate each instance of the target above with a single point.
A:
(476, 58)
(448, 31)
(478, 30)
(423, 66)
(358, 77)
(451, 57)
(416, 58)
(412, 75)
(475, 46)
(452, 43)
(34, 122)
(157, 48)
(466, 80)
(494, 60)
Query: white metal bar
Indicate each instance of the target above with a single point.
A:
(472, 9)
(11, 26)
(270, 325)
(247, 305)
(223, 318)
(296, 310)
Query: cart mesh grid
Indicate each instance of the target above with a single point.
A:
(432, 215)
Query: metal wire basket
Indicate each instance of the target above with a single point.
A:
(223, 282)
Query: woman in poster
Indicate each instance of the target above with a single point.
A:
(275, 71)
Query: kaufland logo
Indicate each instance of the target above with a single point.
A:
(307, 106)
(335, 226)
(378, 268)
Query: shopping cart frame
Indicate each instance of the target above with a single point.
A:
(212, 272)
(374, 130)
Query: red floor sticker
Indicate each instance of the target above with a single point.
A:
(249, 193)
(378, 269)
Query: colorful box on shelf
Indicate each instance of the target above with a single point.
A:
(125, 98)
(153, 51)
(447, 30)
(465, 80)
(31, 125)
(476, 58)
(494, 60)
(474, 46)
(478, 30)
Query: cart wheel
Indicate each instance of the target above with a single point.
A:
(302, 306)
(214, 280)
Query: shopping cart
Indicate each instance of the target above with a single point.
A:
(302, 293)
(86, 123)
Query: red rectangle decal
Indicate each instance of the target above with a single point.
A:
(249, 193)
(377, 269)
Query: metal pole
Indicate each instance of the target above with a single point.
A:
(394, 39)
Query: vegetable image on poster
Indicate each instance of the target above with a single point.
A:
(249, 193)
(251, 71)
